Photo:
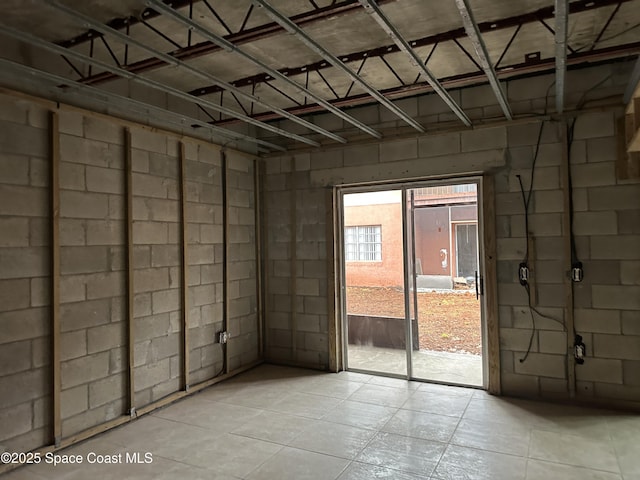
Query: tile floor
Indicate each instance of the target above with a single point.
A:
(278, 423)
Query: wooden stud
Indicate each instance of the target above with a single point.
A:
(184, 238)
(491, 285)
(531, 247)
(130, 287)
(566, 237)
(225, 240)
(257, 209)
(55, 274)
(293, 221)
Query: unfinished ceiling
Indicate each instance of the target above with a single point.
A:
(212, 63)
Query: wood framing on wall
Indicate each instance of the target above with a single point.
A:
(491, 285)
(55, 275)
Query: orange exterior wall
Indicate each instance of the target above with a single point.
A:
(388, 272)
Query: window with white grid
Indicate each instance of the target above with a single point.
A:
(363, 243)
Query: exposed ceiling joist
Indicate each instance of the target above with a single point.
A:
(89, 22)
(335, 61)
(52, 47)
(474, 34)
(374, 10)
(561, 21)
(225, 44)
(473, 78)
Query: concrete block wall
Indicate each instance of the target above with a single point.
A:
(93, 270)
(242, 325)
(605, 224)
(157, 277)
(25, 369)
(206, 257)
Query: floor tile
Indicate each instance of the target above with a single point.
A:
(344, 441)
(364, 471)
(416, 424)
(573, 450)
(407, 454)
(379, 395)
(274, 427)
(218, 416)
(354, 377)
(331, 387)
(472, 464)
(624, 430)
(295, 464)
(395, 383)
(358, 414)
(512, 439)
(305, 405)
(453, 406)
(539, 470)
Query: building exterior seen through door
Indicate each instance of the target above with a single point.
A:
(410, 273)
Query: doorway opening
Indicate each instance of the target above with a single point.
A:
(411, 276)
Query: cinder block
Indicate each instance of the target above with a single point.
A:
(601, 149)
(14, 232)
(600, 370)
(83, 205)
(165, 255)
(594, 125)
(71, 122)
(103, 130)
(23, 140)
(106, 337)
(618, 297)
(105, 180)
(40, 288)
(483, 139)
(631, 372)
(105, 232)
(593, 174)
(14, 294)
(542, 364)
(106, 390)
(14, 169)
(512, 294)
(16, 420)
(81, 150)
(623, 347)
(15, 357)
(73, 401)
(595, 223)
(619, 197)
(630, 272)
(147, 140)
(23, 201)
(545, 178)
(150, 232)
(83, 260)
(23, 262)
(147, 376)
(73, 344)
(151, 185)
(72, 176)
(597, 321)
(150, 279)
(516, 339)
(84, 369)
(548, 201)
(392, 151)
(552, 342)
(511, 248)
(615, 247)
(163, 165)
(629, 222)
(72, 232)
(165, 301)
(103, 285)
(76, 316)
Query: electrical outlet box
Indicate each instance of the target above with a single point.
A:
(223, 337)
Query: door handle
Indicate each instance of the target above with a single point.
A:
(476, 282)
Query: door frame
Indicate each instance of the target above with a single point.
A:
(486, 264)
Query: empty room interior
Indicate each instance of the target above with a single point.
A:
(320, 239)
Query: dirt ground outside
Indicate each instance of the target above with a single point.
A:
(447, 321)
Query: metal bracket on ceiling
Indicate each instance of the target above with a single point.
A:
(291, 27)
